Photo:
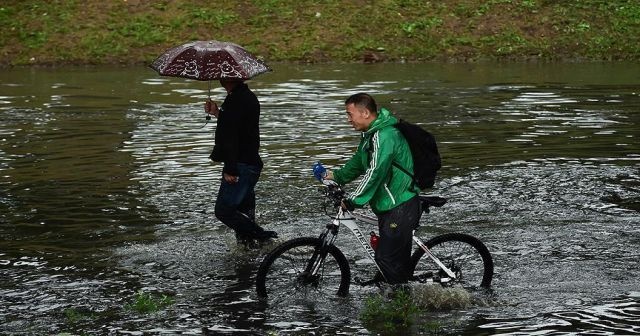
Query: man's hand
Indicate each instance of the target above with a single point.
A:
(230, 178)
(329, 175)
(211, 108)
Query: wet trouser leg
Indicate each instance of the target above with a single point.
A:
(235, 205)
(396, 226)
(248, 205)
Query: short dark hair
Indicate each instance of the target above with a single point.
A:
(363, 100)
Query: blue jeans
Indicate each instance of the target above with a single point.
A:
(236, 202)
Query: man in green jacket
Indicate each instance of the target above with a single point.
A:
(392, 195)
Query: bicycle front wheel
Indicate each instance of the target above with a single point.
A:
(465, 255)
(286, 271)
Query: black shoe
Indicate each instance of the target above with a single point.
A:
(265, 236)
(376, 280)
(246, 241)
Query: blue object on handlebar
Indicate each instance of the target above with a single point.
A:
(319, 171)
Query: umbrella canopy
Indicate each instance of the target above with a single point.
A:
(208, 60)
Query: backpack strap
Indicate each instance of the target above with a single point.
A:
(414, 183)
(413, 178)
(394, 163)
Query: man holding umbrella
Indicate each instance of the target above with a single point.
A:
(237, 138)
(237, 141)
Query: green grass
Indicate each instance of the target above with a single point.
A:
(407, 312)
(141, 303)
(90, 32)
(145, 303)
(385, 315)
(75, 315)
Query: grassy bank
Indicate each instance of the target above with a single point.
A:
(136, 31)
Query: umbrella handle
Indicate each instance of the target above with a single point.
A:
(208, 117)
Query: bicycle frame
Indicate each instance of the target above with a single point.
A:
(349, 219)
(315, 264)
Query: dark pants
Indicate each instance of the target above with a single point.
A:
(236, 202)
(396, 226)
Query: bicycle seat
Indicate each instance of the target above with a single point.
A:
(432, 201)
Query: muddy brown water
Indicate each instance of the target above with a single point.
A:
(106, 190)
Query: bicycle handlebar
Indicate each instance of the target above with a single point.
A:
(333, 191)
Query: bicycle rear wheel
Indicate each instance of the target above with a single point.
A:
(463, 254)
(284, 272)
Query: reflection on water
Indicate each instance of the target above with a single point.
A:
(106, 190)
(620, 317)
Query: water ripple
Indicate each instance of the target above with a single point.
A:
(107, 190)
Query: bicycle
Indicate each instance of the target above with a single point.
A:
(316, 265)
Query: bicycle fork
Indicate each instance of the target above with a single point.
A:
(436, 260)
(313, 269)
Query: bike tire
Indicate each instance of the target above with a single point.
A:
(465, 255)
(282, 271)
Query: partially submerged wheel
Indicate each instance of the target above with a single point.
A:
(466, 256)
(285, 271)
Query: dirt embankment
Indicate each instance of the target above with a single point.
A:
(135, 31)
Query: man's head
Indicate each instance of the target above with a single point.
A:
(361, 111)
(230, 83)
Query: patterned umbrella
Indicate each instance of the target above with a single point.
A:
(208, 60)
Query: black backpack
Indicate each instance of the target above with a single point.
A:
(426, 159)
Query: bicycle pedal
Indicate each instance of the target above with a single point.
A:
(425, 278)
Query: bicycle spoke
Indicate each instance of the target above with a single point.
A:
(462, 254)
(285, 273)
(459, 258)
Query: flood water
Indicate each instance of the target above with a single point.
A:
(106, 190)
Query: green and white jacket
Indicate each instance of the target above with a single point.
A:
(383, 186)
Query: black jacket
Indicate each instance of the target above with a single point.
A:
(237, 132)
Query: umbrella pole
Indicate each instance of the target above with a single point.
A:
(208, 117)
